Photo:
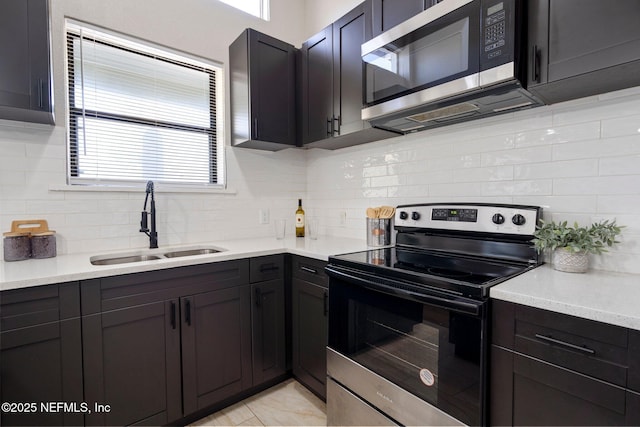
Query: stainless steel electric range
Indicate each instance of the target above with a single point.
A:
(408, 324)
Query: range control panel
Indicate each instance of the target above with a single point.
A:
(506, 219)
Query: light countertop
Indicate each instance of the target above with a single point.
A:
(603, 296)
(597, 295)
(65, 268)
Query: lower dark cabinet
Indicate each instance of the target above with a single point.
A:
(38, 365)
(553, 369)
(132, 364)
(41, 355)
(309, 324)
(216, 346)
(268, 330)
(165, 344)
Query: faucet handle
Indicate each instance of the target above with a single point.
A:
(144, 227)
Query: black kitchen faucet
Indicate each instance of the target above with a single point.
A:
(153, 234)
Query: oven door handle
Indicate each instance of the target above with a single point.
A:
(397, 288)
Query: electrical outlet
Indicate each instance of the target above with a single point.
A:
(263, 216)
(343, 217)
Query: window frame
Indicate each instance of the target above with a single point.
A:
(216, 149)
(265, 8)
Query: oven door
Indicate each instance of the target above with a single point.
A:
(418, 357)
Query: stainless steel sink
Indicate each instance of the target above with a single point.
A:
(123, 259)
(154, 254)
(191, 252)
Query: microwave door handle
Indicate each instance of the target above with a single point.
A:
(452, 302)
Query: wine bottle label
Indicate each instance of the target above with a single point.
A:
(299, 220)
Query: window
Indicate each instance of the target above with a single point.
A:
(138, 112)
(259, 8)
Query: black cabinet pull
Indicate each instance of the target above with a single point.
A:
(329, 127)
(535, 64)
(325, 300)
(258, 293)
(308, 270)
(187, 312)
(173, 315)
(552, 340)
(41, 94)
(335, 129)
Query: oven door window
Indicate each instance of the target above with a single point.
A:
(445, 50)
(433, 353)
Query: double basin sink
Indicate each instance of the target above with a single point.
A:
(114, 259)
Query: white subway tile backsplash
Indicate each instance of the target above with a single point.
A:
(627, 165)
(580, 160)
(517, 156)
(558, 169)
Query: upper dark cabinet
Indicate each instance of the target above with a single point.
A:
(332, 84)
(389, 13)
(25, 64)
(263, 92)
(582, 47)
(316, 56)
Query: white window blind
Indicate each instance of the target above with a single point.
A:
(139, 113)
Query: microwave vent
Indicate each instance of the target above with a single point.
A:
(445, 113)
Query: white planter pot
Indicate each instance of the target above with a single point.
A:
(571, 262)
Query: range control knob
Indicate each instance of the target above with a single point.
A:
(518, 219)
(404, 215)
(498, 219)
(415, 216)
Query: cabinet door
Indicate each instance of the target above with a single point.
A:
(580, 43)
(349, 33)
(25, 88)
(527, 391)
(132, 364)
(267, 306)
(41, 364)
(216, 346)
(317, 87)
(309, 328)
(273, 74)
(389, 13)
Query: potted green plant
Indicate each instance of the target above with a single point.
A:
(571, 245)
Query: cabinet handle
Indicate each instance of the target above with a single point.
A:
(535, 64)
(255, 128)
(41, 94)
(325, 300)
(308, 270)
(187, 312)
(336, 129)
(173, 315)
(552, 340)
(258, 293)
(329, 127)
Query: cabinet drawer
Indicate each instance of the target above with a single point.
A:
(20, 308)
(311, 270)
(265, 268)
(592, 348)
(115, 292)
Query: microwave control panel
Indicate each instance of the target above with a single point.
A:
(497, 32)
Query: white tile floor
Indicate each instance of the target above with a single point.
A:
(286, 404)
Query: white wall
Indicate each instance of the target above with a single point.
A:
(580, 160)
(33, 157)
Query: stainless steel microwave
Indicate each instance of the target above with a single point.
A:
(456, 61)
